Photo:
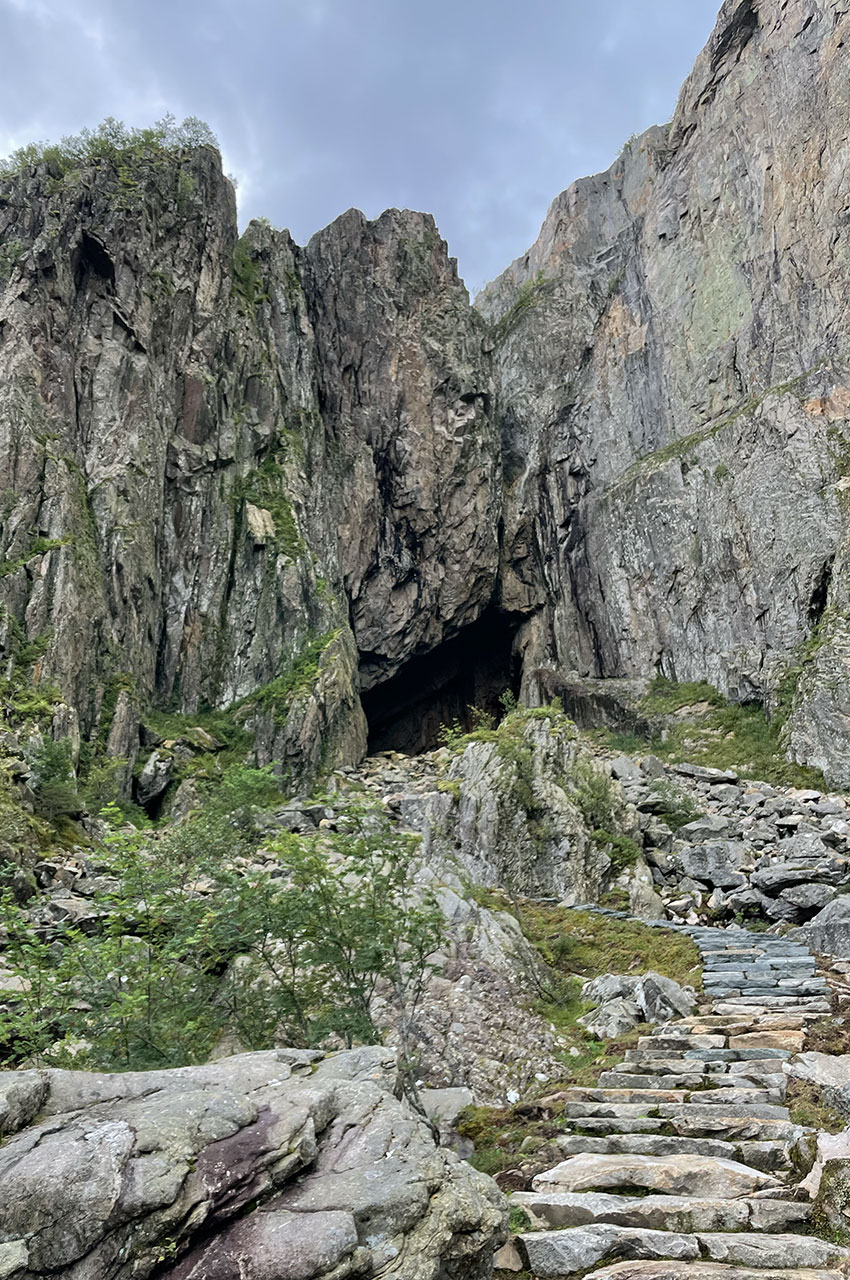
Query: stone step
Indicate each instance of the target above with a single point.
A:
(791, 1040)
(708, 1271)
(559, 1209)
(662, 1064)
(709, 1088)
(626, 1097)
(792, 1004)
(710, 1124)
(745, 1249)
(667, 1041)
(771, 1157)
(703, 1270)
(671, 1110)
(776, 1021)
(671, 1175)
(751, 1054)
(742, 1096)
(574, 1250)
(627, 1080)
(799, 1017)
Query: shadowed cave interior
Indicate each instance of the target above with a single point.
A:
(472, 670)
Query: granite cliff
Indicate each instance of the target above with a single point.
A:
(317, 487)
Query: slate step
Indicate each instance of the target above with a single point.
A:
(573, 1250)
(708, 1271)
(711, 1124)
(671, 1175)
(672, 1110)
(771, 1157)
(709, 1089)
(558, 1209)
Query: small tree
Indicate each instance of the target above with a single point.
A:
(54, 782)
(184, 941)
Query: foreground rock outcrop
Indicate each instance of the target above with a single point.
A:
(285, 1164)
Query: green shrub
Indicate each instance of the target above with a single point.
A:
(114, 142)
(594, 795)
(54, 783)
(673, 805)
(189, 938)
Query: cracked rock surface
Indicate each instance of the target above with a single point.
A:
(283, 1165)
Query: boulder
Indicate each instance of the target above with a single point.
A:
(287, 1163)
(808, 898)
(624, 998)
(830, 1072)
(611, 1019)
(661, 999)
(781, 875)
(829, 931)
(154, 778)
(718, 863)
(832, 1203)
(644, 902)
(829, 1147)
(707, 827)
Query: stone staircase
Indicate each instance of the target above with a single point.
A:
(682, 1163)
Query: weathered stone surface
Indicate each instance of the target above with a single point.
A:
(560, 1253)
(634, 378)
(829, 930)
(122, 1164)
(673, 1175)
(253, 445)
(709, 1271)
(612, 1018)
(719, 863)
(488, 830)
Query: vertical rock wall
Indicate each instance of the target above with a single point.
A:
(672, 372)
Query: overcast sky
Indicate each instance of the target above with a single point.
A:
(479, 111)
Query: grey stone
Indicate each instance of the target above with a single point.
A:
(829, 930)
(576, 1249)
(123, 1164)
(718, 863)
(612, 1018)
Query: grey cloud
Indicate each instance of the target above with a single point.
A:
(480, 111)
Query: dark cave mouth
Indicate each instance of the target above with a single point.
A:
(446, 685)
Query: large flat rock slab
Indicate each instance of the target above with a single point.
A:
(710, 1176)
(555, 1209)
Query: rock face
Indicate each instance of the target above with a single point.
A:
(268, 1165)
(671, 375)
(247, 474)
(221, 455)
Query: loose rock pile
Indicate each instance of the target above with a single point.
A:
(749, 850)
(684, 1161)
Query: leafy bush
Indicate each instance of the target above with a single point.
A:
(188, 939)
(594, 795)
(111, 141)
(54, 783)
(673, 805)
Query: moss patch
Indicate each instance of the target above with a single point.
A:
(703, 728)
(807, 1107)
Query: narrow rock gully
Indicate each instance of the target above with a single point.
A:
(684, 1163)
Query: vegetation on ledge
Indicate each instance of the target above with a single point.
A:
(697, 724)
(111, 142)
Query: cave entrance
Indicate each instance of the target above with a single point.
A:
(472, 670)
